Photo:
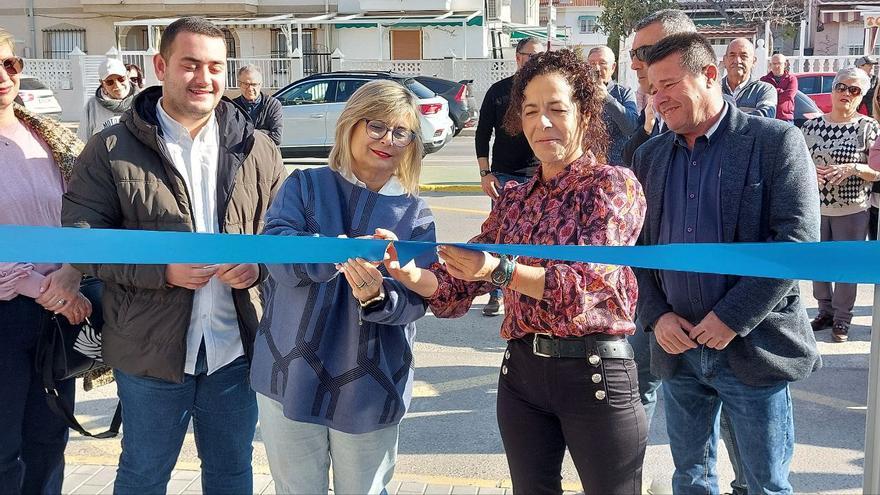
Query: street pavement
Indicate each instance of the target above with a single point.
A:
(449, 441)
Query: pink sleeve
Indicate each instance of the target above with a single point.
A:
(19, 279)
(874, 156)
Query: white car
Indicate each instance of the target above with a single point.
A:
(312, 106)
(37, 97)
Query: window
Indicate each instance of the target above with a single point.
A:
(307, 93)
(279, 42)
(346, 87)
(59, 41)
(588, 24)
(827, 83)
(809, 85)
(230, 43)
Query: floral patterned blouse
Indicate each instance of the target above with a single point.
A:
(585, 204)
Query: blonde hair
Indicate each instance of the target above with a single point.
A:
(390, 102)
(7, 39)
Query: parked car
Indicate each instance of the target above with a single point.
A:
(818, 86)
(804, 109)
(312, 105)
(37, 97)
(462, 106)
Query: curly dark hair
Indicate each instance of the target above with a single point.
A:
(584, 84)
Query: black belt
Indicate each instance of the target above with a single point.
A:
(603, 345)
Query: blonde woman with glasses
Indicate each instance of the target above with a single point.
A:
(333, 365)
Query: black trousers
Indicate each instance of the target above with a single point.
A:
(32, 437)
(548, 404)
(872, 224)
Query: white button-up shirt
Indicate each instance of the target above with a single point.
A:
(391, 188)
(213, 318)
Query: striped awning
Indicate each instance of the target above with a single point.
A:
(540, 34)
(843, 16)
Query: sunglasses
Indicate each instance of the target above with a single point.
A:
(852, 90)
(400, 136)
(13, 65)
(641, 52)
(112, 81)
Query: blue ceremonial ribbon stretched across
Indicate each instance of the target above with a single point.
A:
(854, 262)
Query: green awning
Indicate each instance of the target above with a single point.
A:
(534, 33)
(404, 22)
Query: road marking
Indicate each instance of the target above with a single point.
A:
(459, 210)
(824, 400)
(425, 389)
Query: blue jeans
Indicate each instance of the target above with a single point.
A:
(761, 417)
(648, 382)
(155, 417)
(32, 437)
(300, 455)
(504, 179)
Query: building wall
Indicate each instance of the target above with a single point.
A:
(363, 43)
(99, 30)
(569, 17)
(827, 42)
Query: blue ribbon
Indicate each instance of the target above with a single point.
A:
(854, 262)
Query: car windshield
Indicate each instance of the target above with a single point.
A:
(418, 89)
(30, 83)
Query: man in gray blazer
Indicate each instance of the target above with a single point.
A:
(723, 176)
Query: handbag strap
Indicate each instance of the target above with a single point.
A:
(60, 407)
(57, 403)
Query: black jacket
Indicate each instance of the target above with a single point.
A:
(510, 154)
(271, 119)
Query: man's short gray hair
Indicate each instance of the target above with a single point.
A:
(862, 79)
(674, 21)
(249, 69)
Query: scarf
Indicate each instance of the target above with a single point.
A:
(115, 106)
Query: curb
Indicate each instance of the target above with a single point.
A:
(264, 469)
(458, 188)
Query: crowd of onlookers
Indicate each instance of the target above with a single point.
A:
(322, 353)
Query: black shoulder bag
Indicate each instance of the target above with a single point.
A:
(70, 351)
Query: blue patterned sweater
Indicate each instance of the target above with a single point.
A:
(312, 354)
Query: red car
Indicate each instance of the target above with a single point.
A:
(818, 86)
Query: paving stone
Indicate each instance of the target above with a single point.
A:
(438, 489)
(411, 488)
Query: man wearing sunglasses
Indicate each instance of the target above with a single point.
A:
(112, 98)
(649, 31)
(752, 96)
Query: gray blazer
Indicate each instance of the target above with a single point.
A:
(768, 194)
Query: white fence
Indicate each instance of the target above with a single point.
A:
(75, 79)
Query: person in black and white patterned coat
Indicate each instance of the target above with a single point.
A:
(839, 142)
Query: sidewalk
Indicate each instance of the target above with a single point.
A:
(94, 479)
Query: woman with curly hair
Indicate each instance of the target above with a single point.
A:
(568, 378)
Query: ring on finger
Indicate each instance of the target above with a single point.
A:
(361, 285)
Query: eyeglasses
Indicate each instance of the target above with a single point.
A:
(13, 65)
(528, 55)
(852, 90)
(641, 52)
(400, 136)
(112, 81)
(250, 84)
